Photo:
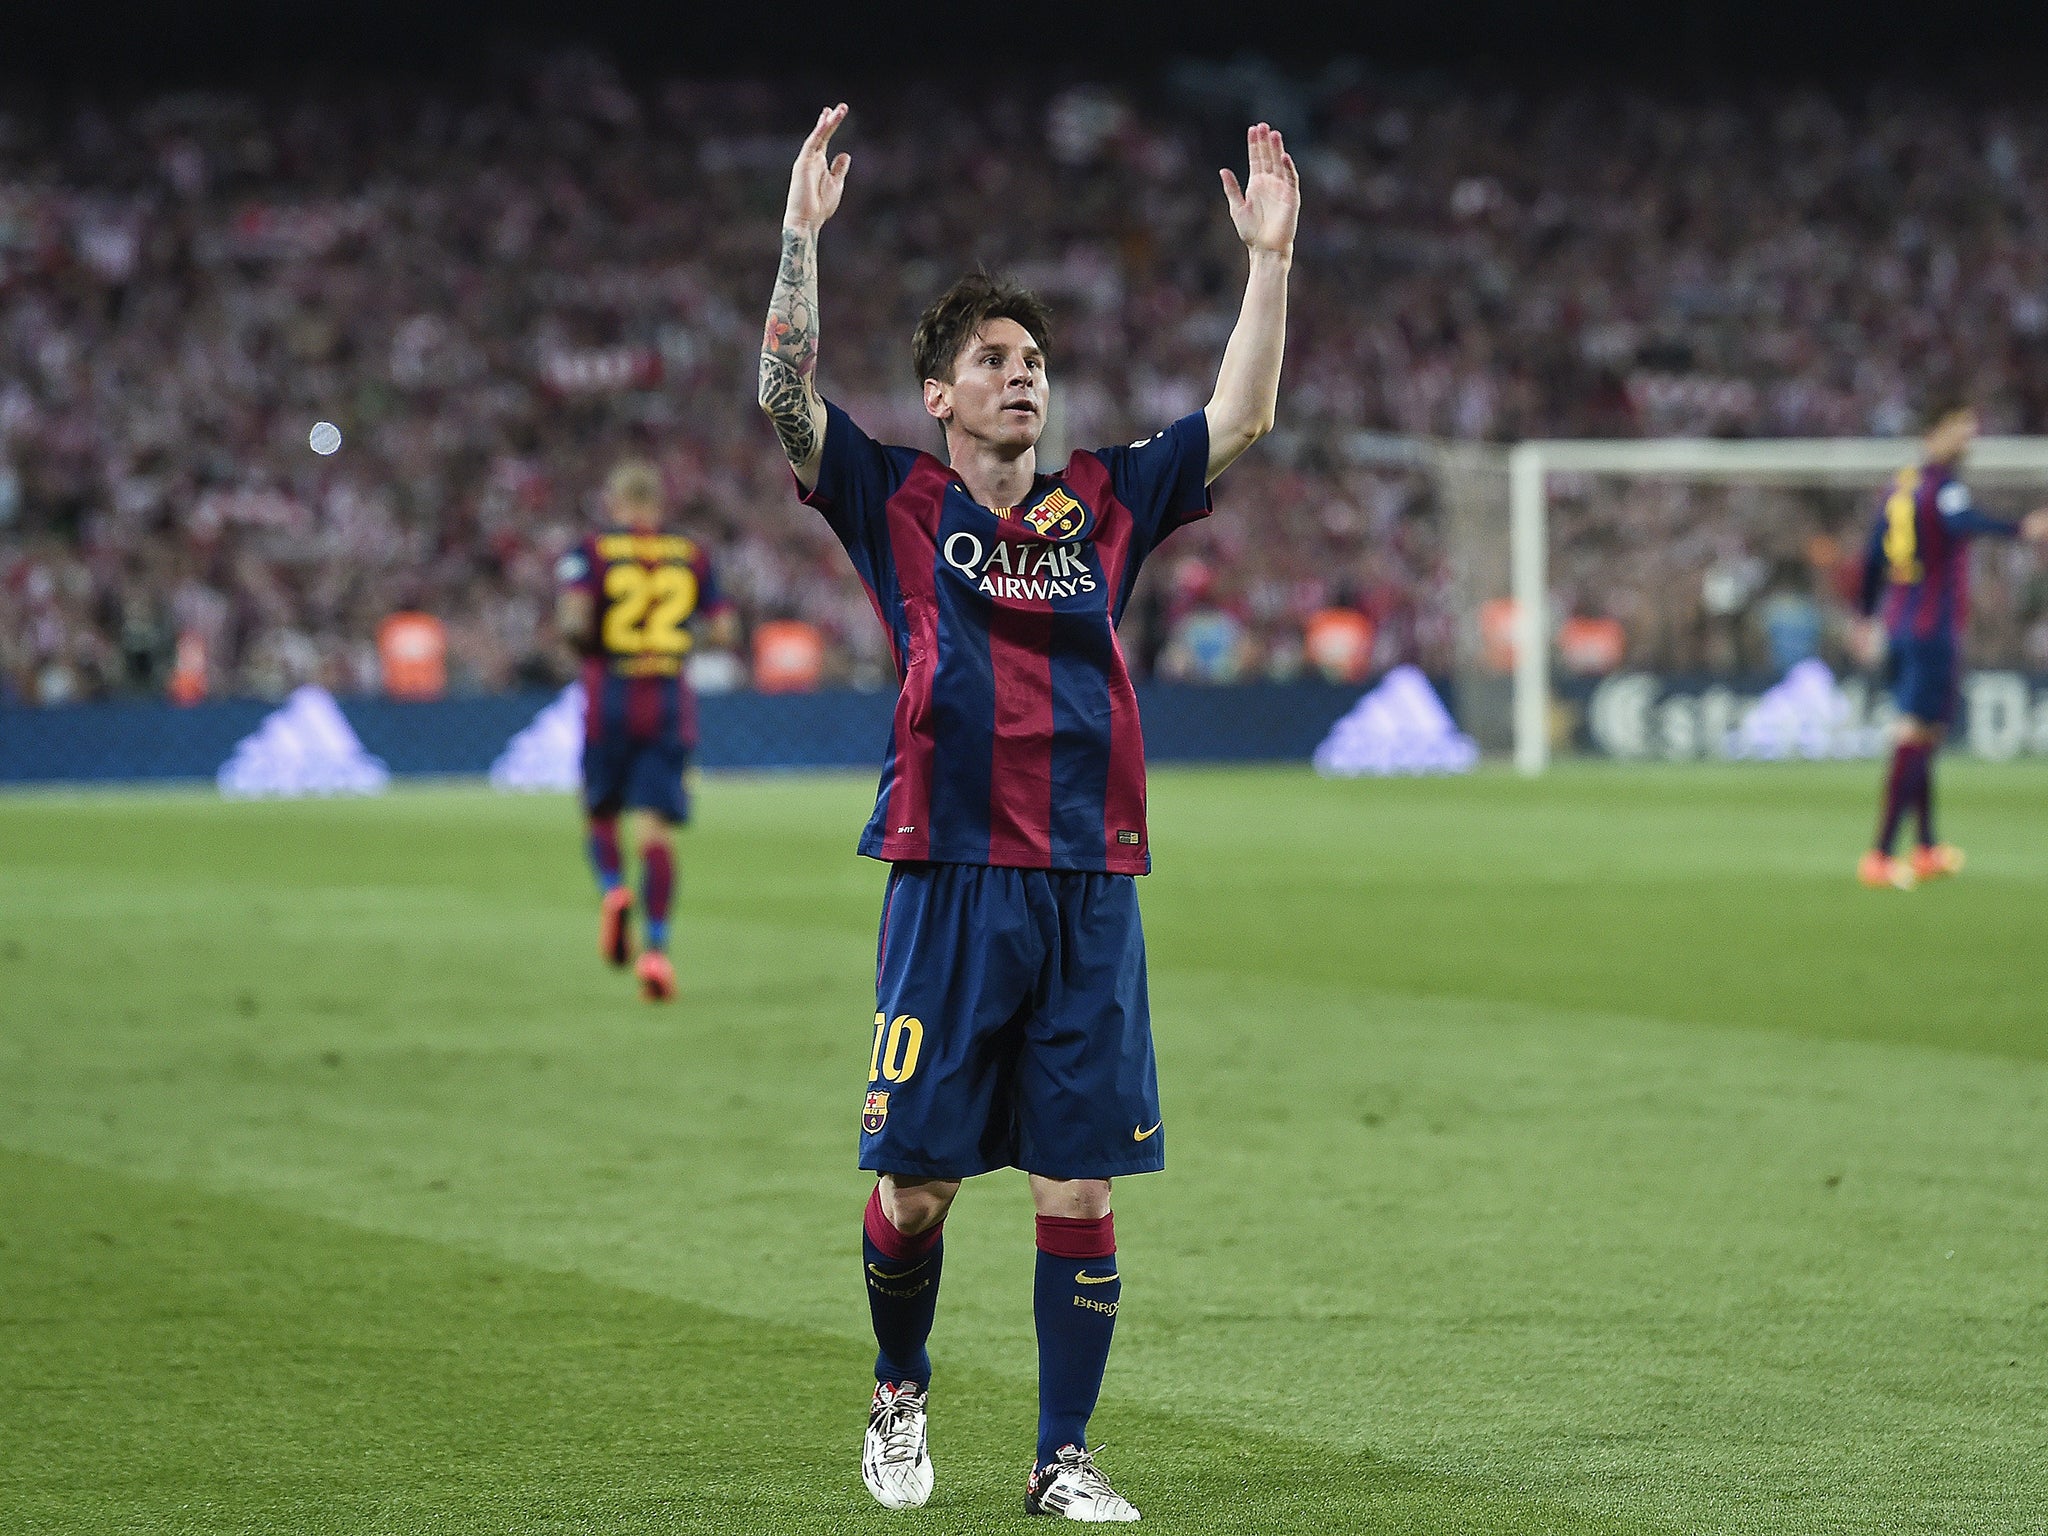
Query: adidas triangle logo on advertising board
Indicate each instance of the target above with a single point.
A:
(1401, 726)
(304, 747)
(1805, 714)
(548, 753)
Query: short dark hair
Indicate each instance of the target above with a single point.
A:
(958, 314)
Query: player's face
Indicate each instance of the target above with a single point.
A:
(998, 392)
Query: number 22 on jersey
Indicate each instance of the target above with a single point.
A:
(647, 609)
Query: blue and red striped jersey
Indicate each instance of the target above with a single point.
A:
(1016, 738)
(1918, 554)
(646, 588)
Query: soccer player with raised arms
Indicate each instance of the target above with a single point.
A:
(1011, 1023)
(1917, 567)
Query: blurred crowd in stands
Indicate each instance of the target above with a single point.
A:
(496, 289)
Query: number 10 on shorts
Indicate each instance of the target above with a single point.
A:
(896, 1048)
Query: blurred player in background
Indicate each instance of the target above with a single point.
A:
(1011, 1024)
(628, 597)
(1918, 564)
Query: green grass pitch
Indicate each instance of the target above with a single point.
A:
(1590, 1155)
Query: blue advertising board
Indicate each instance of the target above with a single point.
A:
(136, 741)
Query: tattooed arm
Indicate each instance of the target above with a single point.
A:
(789, 357)
(789, 347)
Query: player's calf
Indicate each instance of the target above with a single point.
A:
(615, 908)
(902, 1271)
(657, 883)
(1075, 1298)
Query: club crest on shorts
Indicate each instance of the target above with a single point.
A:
(1056, 515)
(876, 1115)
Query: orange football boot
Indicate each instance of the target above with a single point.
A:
(657, 977)
(1937, 861)
(1880, 871)
(615, 926)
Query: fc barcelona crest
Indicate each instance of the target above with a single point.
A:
(876, 1115)
(1056, 515)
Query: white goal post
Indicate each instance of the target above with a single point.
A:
(1836, 461)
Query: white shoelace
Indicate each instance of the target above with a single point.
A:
(897, 1427)
(1094, 1482)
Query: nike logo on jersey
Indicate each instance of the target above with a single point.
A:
(1084, 1278)
(1138, 1135)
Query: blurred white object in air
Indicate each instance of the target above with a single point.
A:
(324, 438)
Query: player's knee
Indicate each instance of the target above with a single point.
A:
(917, 1205)
(1074, 1199)
(654, 832)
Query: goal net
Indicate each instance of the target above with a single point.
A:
(1690, 598)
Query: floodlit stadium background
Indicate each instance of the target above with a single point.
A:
(498, 275)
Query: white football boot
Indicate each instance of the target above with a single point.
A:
(894, 1461)
(1074, 1487)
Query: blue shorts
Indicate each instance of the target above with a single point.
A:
(1011, 1027)
(1924, 678)
(621, 773)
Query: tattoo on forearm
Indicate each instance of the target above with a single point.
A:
(789, 348)
(786, 397)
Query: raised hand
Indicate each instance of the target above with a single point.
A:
(1266, 207)
(2034, 526)
(789, 345)
(815, 182)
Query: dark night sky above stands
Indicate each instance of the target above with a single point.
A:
(150, 42)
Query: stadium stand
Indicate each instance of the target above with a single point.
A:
(494, 288)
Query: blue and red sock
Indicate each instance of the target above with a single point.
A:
(604, 853)
(1924, 803)
(657, 888)
(1904, 788)
(1075, 1299)
(902, 1272)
